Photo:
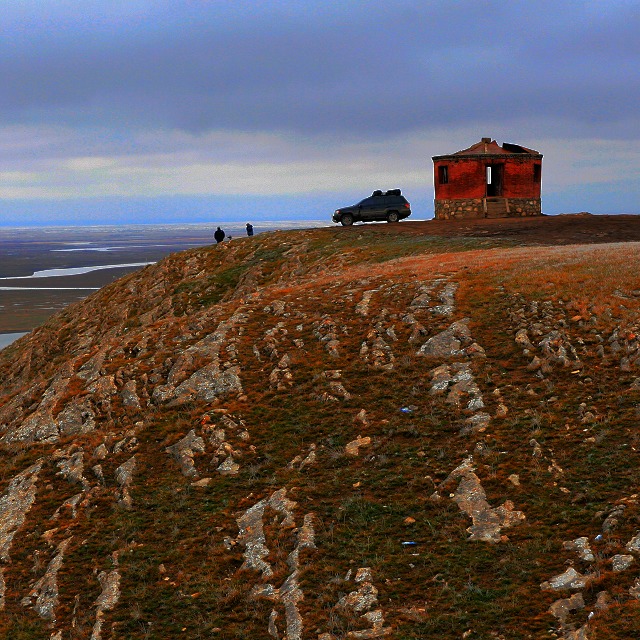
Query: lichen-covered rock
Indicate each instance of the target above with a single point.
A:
(570, 579)
(634, 544)
(300, 462)
(581, 547)
(475, 424)
(14, 505)
(129, 395)
(561, 609)
(620, 562)
(229, 467)
(362, 599)
(450, 342)
(71, 504)
(251, 536)
(447, 298)
(107, 600)
(76, 417)
(72, 468)
(184, 451)
(487, 521)
(281, 378)
(45, 590)
(207, 384)
(124, 477)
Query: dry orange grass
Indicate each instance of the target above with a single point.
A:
(592, 278)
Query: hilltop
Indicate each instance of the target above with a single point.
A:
(420, 430)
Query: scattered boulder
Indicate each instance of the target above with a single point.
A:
(448, 343)
(184, 451)
(570, 579)
(581, 547)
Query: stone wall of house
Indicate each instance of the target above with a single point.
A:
(521, 207)
(474, 208)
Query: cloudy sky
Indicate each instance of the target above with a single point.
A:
(197, 110)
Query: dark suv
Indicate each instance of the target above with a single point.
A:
(390, 206)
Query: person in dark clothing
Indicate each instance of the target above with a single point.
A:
(219, 235)
(249, 229)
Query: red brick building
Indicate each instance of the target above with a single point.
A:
(488, 181)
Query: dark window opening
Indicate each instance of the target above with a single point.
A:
(537, 173)
(443, 174)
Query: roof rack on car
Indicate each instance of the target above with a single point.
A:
(377, 192)
(393, 192)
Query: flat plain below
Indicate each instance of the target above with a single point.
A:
(26, 302)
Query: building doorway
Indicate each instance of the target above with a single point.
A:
(494, 179)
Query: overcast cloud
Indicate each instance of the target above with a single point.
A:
(195, 98)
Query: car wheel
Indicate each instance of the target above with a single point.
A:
(392, 216)
(346, 220)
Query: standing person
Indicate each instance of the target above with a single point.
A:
(218, 235)
(249, 229)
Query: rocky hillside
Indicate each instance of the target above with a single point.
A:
(368, 432)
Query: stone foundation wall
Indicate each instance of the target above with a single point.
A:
(521, 207)
(458, 209)
(474, 208)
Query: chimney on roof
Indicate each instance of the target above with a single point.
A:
(486, 140)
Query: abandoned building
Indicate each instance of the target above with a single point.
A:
(488, 181)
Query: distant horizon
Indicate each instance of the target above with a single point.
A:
(240, 222)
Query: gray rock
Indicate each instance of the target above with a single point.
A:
(71, 503)
(422, 298)
(561, 609)
(184, 450)
(621, 562)
(76, 417)
(570, 579)
(634, 544)
(581, 547)
(475, 424)
(110, 594)
(45, 590)
(124, 476)
(522, 339)
(209, 383)
(229, 467)
(71, 469)
(487, 521)
(129, 395)
(100, 452)
(447, 343)
(14, 506)
(251, 536)
(440, 379)
(107, 600)
(362, 599)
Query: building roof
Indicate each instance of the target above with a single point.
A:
(489, 147)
